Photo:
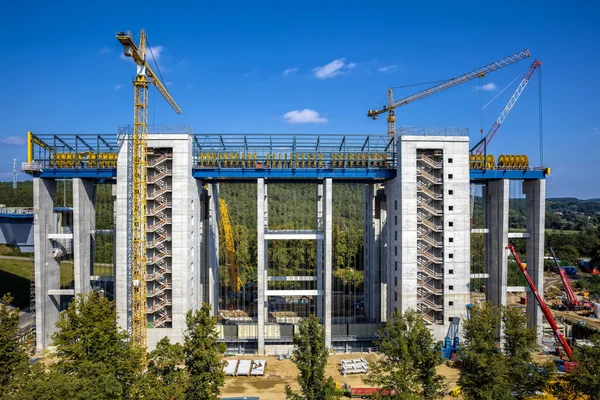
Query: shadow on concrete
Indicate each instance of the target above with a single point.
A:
(17, 286)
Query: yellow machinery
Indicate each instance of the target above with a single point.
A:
(139, 165)
(478, 73)
(227, 233)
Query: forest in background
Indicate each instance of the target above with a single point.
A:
(572, 226)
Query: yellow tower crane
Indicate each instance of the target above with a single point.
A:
(137, 206)
(227, 233)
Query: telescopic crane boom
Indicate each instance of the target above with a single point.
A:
(569, 365)
(137, 321)
(478, 73)
(572, 302)
(481, 146)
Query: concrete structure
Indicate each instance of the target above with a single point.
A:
(174, 207)
(416, 236)
(427, 230)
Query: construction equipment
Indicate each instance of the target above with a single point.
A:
(479, 159)
(481, 146)
(227, 233)
(451, 341)
(136, 262)
(478, 73)
(571, 302)
(568, 365)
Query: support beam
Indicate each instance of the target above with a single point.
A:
(328, 259)
(47, 269)
(261, 253)
(84, 227)
(535, 199)
(319, 249)
(495, 219)
(212, 236)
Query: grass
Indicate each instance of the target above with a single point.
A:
(15, 275)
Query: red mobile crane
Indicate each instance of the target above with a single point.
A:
(571, 302)
(568, 365)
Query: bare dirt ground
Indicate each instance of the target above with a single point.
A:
(278, 374)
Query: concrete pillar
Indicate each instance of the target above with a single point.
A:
(47, 269)
(319, 227)
(198, 287)
(535, 198)
(372, 253)
(84, 226)
(328, 250)
(261, 255)
(495, 219)
(212, 237)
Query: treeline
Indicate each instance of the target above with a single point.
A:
(292, 206)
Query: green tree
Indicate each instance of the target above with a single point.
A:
(310, 356)
(410, 357)
(585, 380)
(483, 369)
(13, 359)
(166, 372)
(89, 345)
(202, 358)
(525, 377)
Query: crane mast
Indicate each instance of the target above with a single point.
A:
(509, 106)
(478, 73)
(137, 323)
(227, 233)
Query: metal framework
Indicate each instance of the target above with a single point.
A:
(478, 73)
(293, 151)
(227, 233)
(482, 145)
(138, 188)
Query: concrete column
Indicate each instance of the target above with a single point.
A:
(212, 236)
(197, 285)
(372, 254)
(495, 219)
(535, 197)
(328, 250)
(260, 261)
(319, 227)
(84, 226)
(47, 269)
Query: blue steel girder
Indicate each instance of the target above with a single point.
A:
(305, 174)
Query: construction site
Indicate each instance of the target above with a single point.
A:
(271, 228)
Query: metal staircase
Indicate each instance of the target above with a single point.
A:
(430, 243)
(158, 245)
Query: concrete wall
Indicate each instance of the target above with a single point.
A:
(186, 234)
(402, 227)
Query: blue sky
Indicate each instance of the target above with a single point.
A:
(225, 64)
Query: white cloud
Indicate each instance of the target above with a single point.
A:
(118, 86)
(104, 50)
(290, 71)
(388, 68)
(488, 87)
(14, 140)
(334, 68)
(305, 116)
